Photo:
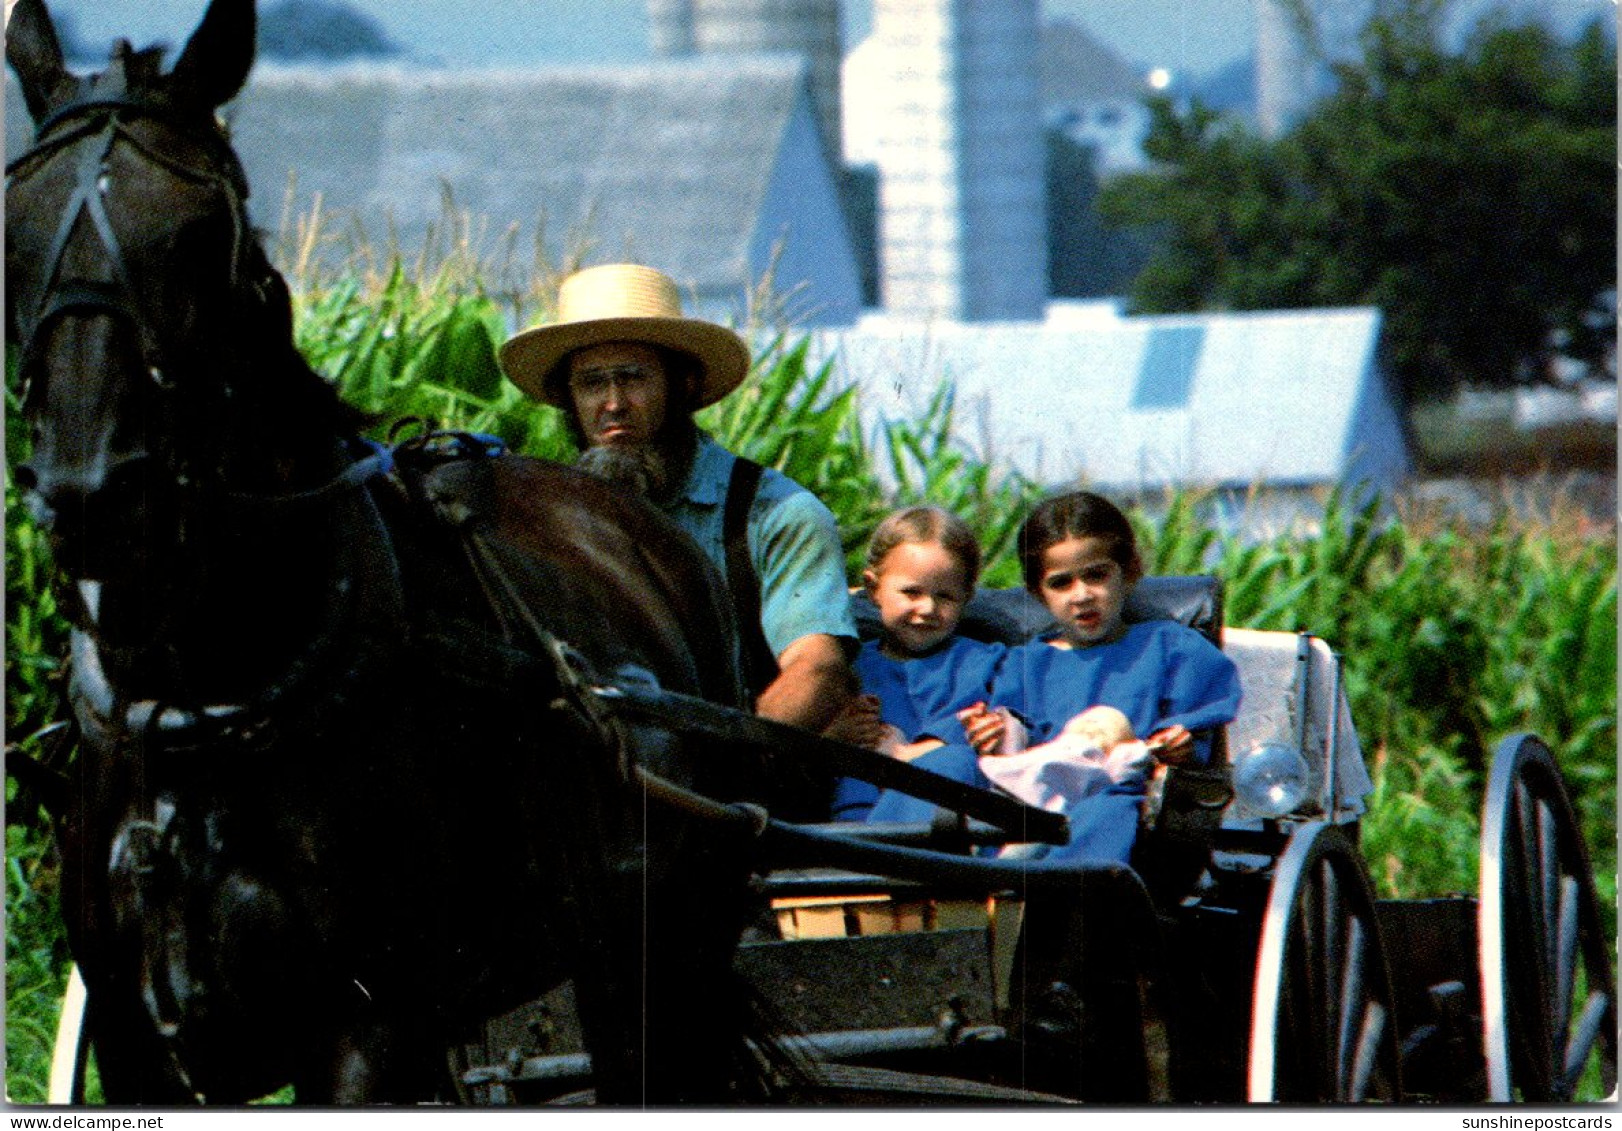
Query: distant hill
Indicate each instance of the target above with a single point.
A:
(1231, 89)
(321, 31)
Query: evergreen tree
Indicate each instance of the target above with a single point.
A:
(1469, 193)
(323, 30)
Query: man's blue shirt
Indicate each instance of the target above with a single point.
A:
(793, 544)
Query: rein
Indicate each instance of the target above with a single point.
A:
(379, 462)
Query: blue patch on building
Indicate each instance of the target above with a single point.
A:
(1167, 375)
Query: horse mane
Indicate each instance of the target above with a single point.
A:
(303, 394)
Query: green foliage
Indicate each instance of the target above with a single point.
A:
(36, 641)
(407, 348)
(1469, 195)
(36, 963)
(791, 417)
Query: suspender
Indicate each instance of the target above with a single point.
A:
(759, 664)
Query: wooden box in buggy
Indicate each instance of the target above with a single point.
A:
(1245, 955)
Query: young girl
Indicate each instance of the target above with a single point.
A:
(1080, 558)
(922, 564)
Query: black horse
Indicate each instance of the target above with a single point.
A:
(335, 796)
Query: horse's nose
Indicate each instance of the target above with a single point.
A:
(89, 511)
(102, 489)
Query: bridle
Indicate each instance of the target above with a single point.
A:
(98, 121)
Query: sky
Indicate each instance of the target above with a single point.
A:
(1199, 35)
(1192, 37)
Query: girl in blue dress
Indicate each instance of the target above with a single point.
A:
(1080, 558)
(922, 564)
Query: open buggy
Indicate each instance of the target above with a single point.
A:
(1244, 957)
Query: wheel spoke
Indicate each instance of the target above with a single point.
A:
(1329, 974)
(1566, 956)
(1584, 1035)
(1549, 883)
(1360, 1083)
(1351, 1003)
(1308, 977)
(1525, 848)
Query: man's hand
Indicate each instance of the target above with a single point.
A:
(859, 723)
(813, 684)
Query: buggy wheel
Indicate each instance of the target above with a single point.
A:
(1547, 995)
(1321, 1026)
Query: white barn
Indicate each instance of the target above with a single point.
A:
(1288, 399)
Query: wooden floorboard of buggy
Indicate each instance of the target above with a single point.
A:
(887, 981)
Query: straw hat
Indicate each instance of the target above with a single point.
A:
(622, 302)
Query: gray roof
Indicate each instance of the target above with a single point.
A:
(1075, 67)
(668, 161)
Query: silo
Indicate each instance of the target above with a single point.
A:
(670, 24)
(962, 225)
(1284, 71)
(808, 27)
(1294, 60)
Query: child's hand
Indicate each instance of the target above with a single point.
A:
(985, 728)
(910, 750)
(859, 724)
(1173, 745)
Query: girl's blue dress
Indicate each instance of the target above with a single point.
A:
(1159, 673)
(918, 696)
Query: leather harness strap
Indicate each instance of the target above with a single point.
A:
(759, 662)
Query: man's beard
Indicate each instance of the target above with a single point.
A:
(652, 470)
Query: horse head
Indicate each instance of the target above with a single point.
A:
(147, 315)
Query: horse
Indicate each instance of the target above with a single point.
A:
(336, 797)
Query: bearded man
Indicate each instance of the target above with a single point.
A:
(628, 370)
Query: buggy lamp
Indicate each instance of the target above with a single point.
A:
(1271, 780)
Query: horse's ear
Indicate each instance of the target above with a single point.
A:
(35, 54)
(218, 56)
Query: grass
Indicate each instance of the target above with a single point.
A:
(1453, 636)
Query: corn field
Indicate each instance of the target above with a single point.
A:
(1453, 636)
